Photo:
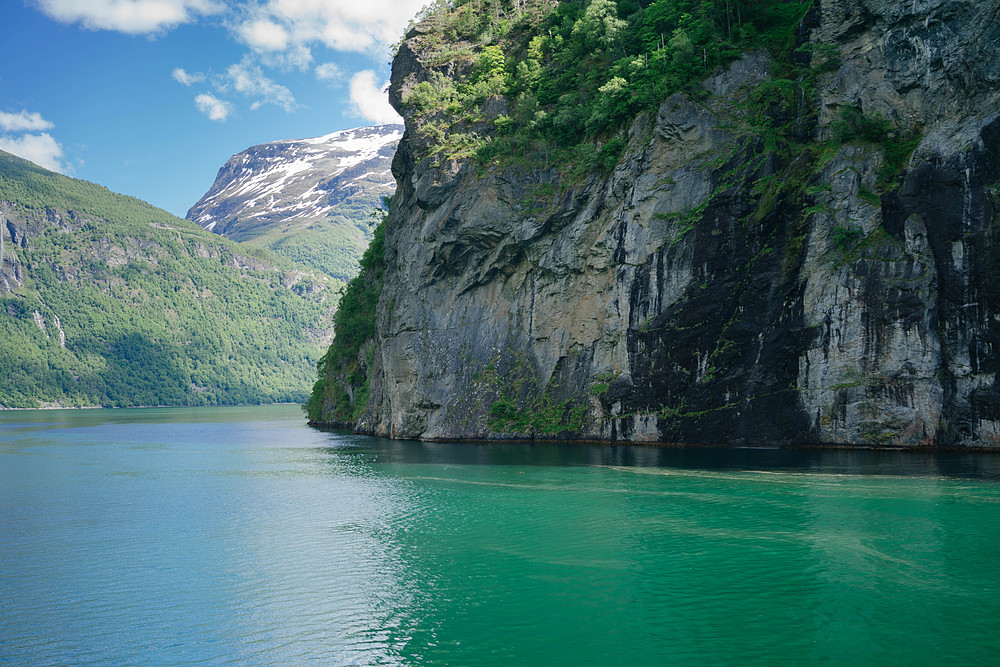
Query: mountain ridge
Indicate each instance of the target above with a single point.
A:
(305, 199)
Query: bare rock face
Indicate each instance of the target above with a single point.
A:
(706, 290)
(870, 373)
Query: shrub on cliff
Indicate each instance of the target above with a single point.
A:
(341, 368)
(574, 73)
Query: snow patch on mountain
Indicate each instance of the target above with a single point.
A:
(299, 181)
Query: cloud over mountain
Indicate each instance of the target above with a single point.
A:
(42, 149)
(370, 101)
(213, 107)
(248, 79)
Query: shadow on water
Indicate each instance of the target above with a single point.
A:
(971, 465)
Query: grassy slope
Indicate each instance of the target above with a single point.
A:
(155, 310)
(333, 246)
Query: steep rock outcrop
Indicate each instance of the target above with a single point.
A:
(709, 289)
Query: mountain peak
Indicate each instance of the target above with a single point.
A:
(274, 192)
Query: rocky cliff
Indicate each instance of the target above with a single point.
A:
(773, 256)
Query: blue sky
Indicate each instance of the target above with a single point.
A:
(151, 97)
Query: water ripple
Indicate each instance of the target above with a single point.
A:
(146, 540)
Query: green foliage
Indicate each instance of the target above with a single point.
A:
(678, 410)
(775, 102)
(328, 248)
(432, 95)
(155, 310)
(31, 187)
(489, 77)
(341, 367)
(608, 155)
(897, 149)
(897, 145)
(522, 408)
(845, 239)
(574, 73)
(543, 416)
(870, 197)
(852, 125)
(599, 29)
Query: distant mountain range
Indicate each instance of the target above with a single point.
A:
(308, 200)
(107, 300)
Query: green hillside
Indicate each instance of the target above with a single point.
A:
(106, 300)
(333, 246)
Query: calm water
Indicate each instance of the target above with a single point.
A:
(239, 535)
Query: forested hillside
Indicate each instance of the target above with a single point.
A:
(106, 300)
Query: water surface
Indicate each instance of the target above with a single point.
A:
(239, 535)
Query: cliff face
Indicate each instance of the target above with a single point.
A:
(709, 288)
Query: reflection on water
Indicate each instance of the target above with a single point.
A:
(239, 535)
(981, 465)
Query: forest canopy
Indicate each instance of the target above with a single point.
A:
(572, 73)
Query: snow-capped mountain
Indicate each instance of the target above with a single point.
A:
(308, 199)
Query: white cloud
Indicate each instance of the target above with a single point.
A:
(296, 56)
(129, 16)
(330, 72)
(213, 107)
(246, 78)
(370, 101)
(264, 35)
(249, 80)
(187, 78)
(41, 149)
(343, 25)
(23, 121)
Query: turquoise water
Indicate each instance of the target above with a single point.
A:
(238, 535)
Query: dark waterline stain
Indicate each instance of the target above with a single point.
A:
(983, 465)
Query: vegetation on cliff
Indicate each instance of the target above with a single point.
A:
(572, 74)
(341, 392)
(106, 300)
(568, 78)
